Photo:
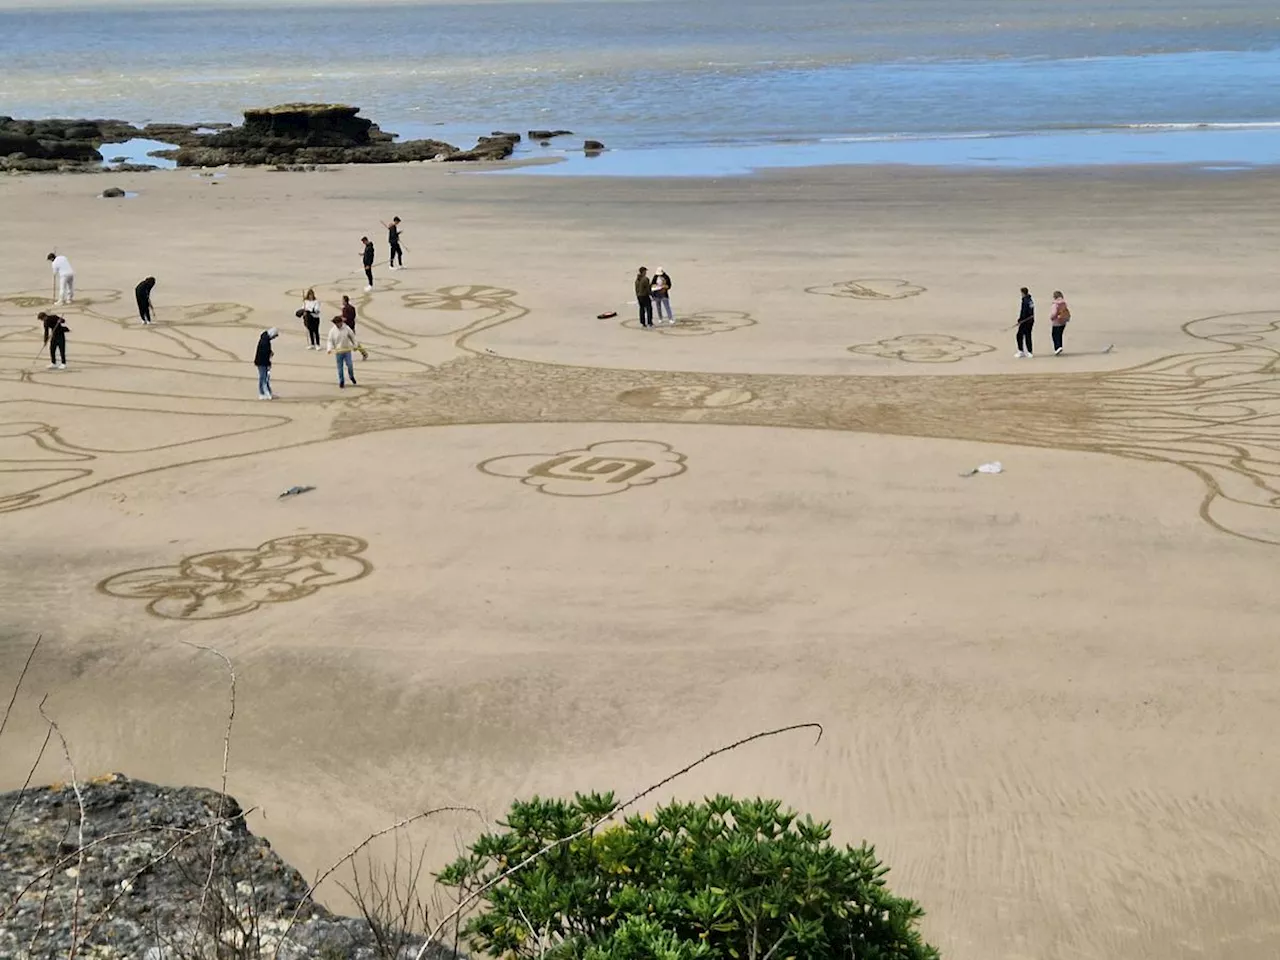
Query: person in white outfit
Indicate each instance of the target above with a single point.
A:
(65, 278)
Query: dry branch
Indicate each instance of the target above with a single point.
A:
(399, 824)
(75, 786)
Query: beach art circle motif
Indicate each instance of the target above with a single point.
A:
(597, 470)
(923, 348)
(686, 397)
(225, 583)
(870, 288)
(701, 324)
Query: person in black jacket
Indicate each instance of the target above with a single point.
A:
(367, 260)
(262, 360)
(55, 335)
(1026, 320)
(143, 293)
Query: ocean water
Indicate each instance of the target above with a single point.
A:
(664, 82)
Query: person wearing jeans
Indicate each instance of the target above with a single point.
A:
(1026, 320)
(262, 360)
(1058, 319)
(644, 298)
(343, 343)
(662, 295)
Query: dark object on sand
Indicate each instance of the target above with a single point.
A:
(294, 491)
(607, 316)
(548, 134)
(113, 192)
(592, 147)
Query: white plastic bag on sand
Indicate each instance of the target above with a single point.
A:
(994, 466)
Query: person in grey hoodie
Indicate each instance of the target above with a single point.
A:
(262, 360)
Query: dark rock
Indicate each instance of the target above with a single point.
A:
(180, 134)
(134, 168)
(513, 137)
(489, 148)
(549, 134)
(592, 146)
(113, 192)
(119, 160)
(142, 883)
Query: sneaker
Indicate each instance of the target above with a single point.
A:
(1029, 355)
(53, 366)
(353, 382)
(1057, 351)
(342, 386)
(62, 366)
(263, 396)
(1019, 355)
(368, 288)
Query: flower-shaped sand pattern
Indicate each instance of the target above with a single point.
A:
(686, 397)
(870, 288)
(923, 348)
(225, 583)
(465, 307)
(701, 324)
(598, 470)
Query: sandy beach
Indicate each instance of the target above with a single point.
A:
(547, 552)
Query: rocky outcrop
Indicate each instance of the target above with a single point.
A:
(497, 147)
(305, 133)
(549, 134)
(72, 145)
(592, 146)
(113, 192)
(133, 879)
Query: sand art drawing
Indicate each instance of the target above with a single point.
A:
(227, 583)
(871, 288)
(693, 396)
(181, 387)
(923, 348)
(701, 324)
(597, 470)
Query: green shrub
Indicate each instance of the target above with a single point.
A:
(725, 879)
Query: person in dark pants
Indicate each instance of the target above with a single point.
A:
(1026, 320)
(310, 314)
(262, 360)
(1058, 320)
(644, 297)
(55, 335)
(348, 313)
(143, 293)
(367, 260)
(393, 240)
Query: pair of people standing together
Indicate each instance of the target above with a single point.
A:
(653, 291)
(1058, 319)
(367, 252)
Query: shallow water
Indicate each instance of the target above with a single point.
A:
(646, 74)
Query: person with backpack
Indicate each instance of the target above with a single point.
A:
(1026, 320)
(1058, 320)
(662, 295)
(55, 335)
(262, 360)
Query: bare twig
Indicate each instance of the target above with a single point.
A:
(226, 761)
(774, 948)
(399, 824)
(107, 838)
(490, 884)
(8, 817)
(18, 686)
(126, 885)
(75, 785)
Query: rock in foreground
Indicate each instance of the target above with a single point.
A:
(142, 875)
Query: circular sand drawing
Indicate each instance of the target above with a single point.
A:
(596, 470)
(870, 288)
(686, 397)
(923, 348)
(702, 324)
